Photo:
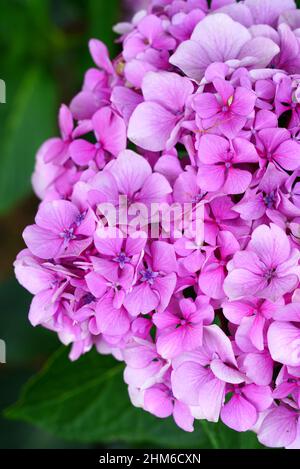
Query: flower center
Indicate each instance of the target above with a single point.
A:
(270, 274)
(80, 218)
(197, 198)
(88, 298)
(148, 275)
(269, 200)
(122, 259)
(68, 235)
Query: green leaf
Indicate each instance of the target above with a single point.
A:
(87, 401)
(25, 344)
(30, 121)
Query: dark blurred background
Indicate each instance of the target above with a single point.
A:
(43, 57)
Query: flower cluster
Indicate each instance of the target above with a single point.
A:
(200, 110)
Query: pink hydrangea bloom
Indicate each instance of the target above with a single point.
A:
(168, 232)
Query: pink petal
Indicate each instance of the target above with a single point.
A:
(221, 37)
(260, 396)
(259, 368)
(141, 300)
(226, 373)
(158, 402)
(279, 428)
(111, 321)
(135, 72)
(82, 152)
(84, 105)
(187, 381)
(211, 281)
(164, 258)
(170, 90)
(130, 171)
(41, 242)
(239, 414)
(165, 286)
(268, 11)
(206, 105)
(210, 177)
(150, 126)
(100, 55)
(96, 284)
(211, 398)
(235, 311)
(287, 155)
(125, 101)
(244, 151)
(65, 121)
(212, 149)
(182, 416)
(284, 343)
(257, 332)
(241, 283)
(262, 48)
(155, 188)
(215, 341)
(42, 308)
(192, 59)
(110, 130)
(271, 244)
(237, 181)
(109, 241)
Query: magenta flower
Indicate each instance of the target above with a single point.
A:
(218, 38)
(223, 164)
(106, 281)
(110, 132)
(269, 266)
(280, 428)
(226, 111)
(156, 281)
(149, 34)
(252, 316)
(129, 175)
(268, 11)
(58, 148)
(212, 276)
(275, 145)
(181, 329)
(144, 366)
(118, 252)
(159, 401)
(242, 410)
(284, 335)
(60, 230)
(45, 282)
(265, 198)
(200, 379)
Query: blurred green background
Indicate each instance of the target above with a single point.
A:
(43, 56)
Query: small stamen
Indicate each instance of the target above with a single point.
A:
(148, 275)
